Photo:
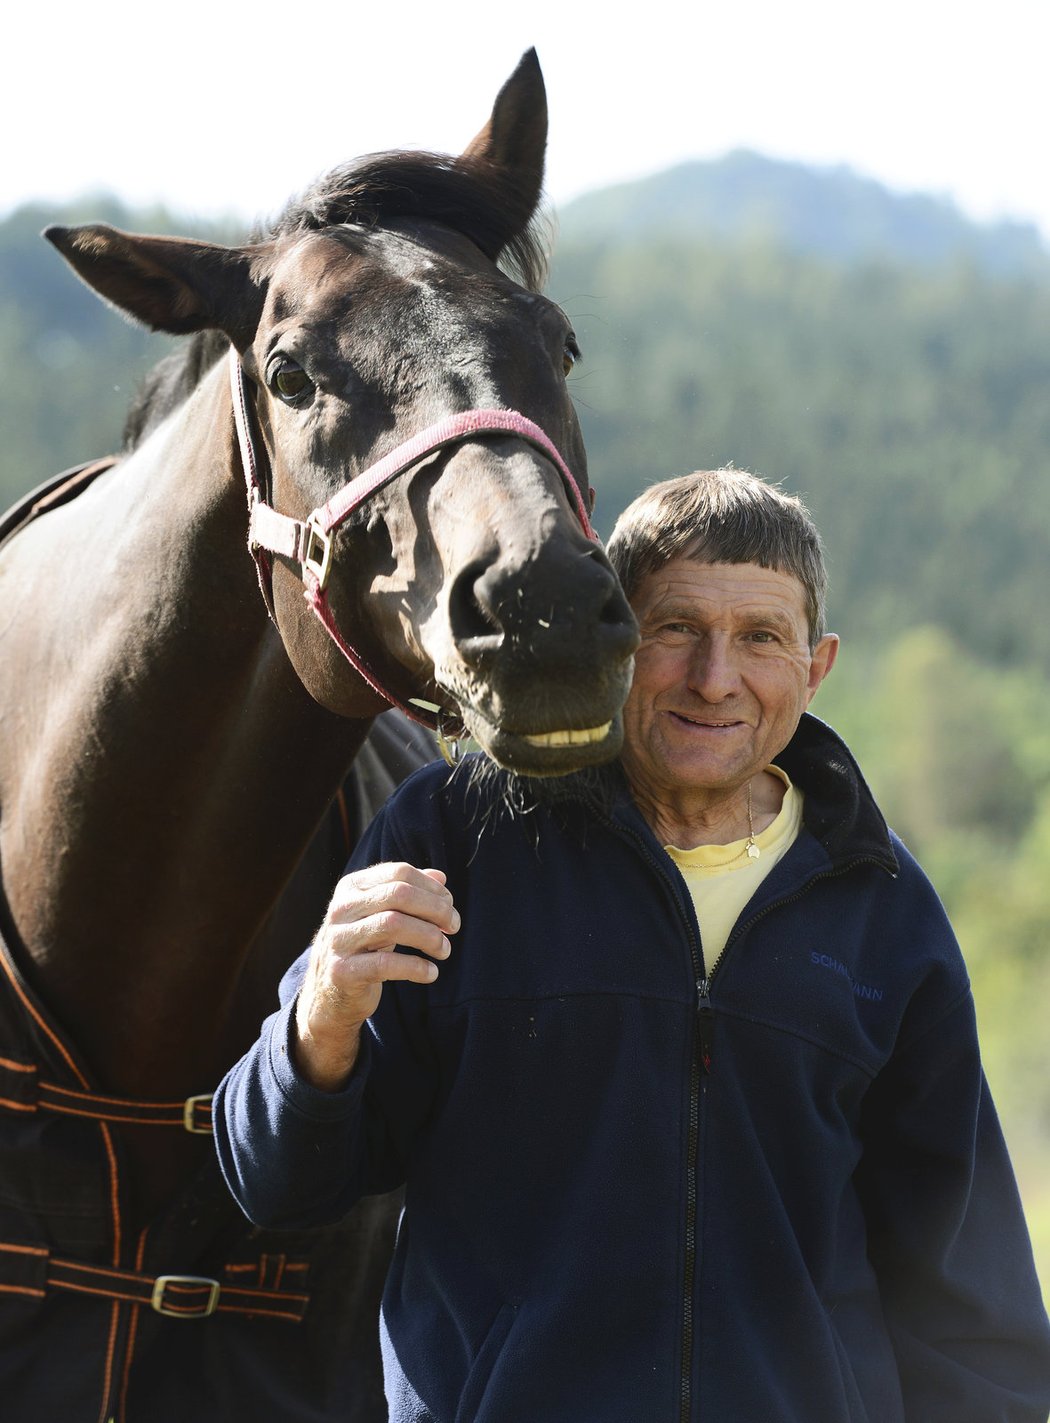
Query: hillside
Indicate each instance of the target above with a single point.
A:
(829, 213)
(908, 406)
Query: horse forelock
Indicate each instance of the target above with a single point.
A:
(469, 195)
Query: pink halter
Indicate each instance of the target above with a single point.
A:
(309, 542)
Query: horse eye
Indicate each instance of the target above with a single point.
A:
(289, 381)
(570, 355)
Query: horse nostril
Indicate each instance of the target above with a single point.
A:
(615, 611)
(471, 617)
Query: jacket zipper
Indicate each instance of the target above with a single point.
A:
(705, 1017)
(701, 1066)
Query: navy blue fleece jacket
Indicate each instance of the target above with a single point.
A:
(777, 1196)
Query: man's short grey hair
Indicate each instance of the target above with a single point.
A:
(722, 516)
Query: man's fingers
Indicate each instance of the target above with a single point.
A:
(385, 929)
(373, 912)
(361, 971)
(393, 889)
(396, 870)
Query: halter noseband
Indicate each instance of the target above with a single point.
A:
(309, 542)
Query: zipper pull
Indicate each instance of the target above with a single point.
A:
(705, 1018)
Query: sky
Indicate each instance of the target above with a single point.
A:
(219, 108)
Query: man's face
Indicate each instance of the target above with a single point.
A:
(723, 674)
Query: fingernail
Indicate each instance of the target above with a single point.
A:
(432, 971)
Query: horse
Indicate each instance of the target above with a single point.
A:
(361, 486)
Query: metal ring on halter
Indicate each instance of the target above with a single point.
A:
(450, 747)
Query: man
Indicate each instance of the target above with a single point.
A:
(691, 1119)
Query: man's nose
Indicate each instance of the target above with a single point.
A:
(713, 672)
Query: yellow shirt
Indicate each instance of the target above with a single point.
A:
(722, 878)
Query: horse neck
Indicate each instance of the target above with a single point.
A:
(176, 767)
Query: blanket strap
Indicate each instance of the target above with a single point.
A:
(22, 1090)
(32, 1271)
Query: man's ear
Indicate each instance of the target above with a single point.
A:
(821, 661)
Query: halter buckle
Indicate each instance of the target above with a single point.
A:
(316, 552)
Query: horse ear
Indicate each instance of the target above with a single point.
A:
(170, 284)
(514, 141)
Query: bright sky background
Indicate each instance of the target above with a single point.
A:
(213, 107)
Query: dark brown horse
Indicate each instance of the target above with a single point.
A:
(167, 750)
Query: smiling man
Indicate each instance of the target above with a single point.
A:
(691, 1120)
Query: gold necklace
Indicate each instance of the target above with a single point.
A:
(750, 849)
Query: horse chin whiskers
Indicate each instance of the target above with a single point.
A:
(502, 795)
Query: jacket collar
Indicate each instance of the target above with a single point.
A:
(839, 810)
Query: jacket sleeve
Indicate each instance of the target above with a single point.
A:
(294, 1156)
(947, 1236)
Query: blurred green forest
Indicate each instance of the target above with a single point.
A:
(896, 377)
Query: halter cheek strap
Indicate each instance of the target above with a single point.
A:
(309, 542)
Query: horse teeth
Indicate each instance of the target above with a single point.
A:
(554, 739)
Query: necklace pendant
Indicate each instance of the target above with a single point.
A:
(753, 851)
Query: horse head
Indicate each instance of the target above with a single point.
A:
(468, 581)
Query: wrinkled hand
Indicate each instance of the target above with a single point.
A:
(353, 955)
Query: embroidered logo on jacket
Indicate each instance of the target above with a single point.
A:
(862, 990)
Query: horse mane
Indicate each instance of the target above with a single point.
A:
(467, 194)
(171, 382)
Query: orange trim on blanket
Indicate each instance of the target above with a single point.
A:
(113, 1101)
(266, 1294)
(17, 1066)
(41, 1022)
(116, 1118)
(114, 1190)
(114, 1274)
(140, 1255)
(114, 1294)
(107, 1376)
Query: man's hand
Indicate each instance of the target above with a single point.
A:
(353, 955)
